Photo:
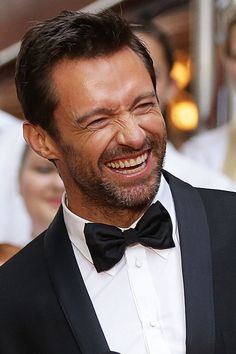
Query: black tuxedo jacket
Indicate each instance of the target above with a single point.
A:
(45, 308)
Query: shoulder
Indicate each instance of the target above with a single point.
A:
(23, 268)
(25, 287)
(224, 198)
(219, 201)
(220, 208)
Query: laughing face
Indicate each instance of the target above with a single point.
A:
(112, 133)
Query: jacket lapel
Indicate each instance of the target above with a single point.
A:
(196, 265)
(70, 289)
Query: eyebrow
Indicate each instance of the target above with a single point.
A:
(94, 112)
(110, 111)
(151, 94)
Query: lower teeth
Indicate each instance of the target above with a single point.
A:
(131, 169)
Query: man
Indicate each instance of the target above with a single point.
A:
(91, 283)
(175, 162)
(216, 148)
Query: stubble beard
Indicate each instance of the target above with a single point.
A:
(103, 191)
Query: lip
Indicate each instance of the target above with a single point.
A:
(136, 174)
(55, 202)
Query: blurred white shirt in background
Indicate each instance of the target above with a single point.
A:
(15, 227)
(195, 173)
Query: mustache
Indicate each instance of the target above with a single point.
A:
(113, 154)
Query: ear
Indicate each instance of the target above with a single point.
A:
(40, 141)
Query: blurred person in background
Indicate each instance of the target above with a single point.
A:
(13, 215)
(216, 148)
(31, 188)
(161, 52)
(41, 189)
(182, 166)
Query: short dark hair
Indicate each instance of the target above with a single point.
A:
(69, 35)
(154, 31)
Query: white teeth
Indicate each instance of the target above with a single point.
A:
(127, 172)
(139, 160)
(132, 162)
(128, 163)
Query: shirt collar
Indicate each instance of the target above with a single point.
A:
(75, 224)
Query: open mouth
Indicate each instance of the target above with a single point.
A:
(129, 166)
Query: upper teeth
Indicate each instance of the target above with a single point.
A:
(129, 162)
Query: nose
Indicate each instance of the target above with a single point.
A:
(131, 133)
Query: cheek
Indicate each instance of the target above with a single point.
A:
(93, 146)
(31, 188)
(155, 125)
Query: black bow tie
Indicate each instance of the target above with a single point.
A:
(107, 243)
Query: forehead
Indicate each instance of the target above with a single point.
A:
(93, 80)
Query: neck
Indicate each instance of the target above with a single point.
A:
(109, 215)
(37, 229)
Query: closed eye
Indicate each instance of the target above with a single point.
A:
(98, 122)
(144, 108)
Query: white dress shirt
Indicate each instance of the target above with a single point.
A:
(15, 225)
(140, 301)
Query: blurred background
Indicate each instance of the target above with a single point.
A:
(196, 30)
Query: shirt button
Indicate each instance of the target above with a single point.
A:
(138, 263)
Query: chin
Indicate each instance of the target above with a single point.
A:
(133, 196)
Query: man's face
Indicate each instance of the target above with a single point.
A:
(112, 133)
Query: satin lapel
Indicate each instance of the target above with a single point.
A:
(70, 289)
(197, 267)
